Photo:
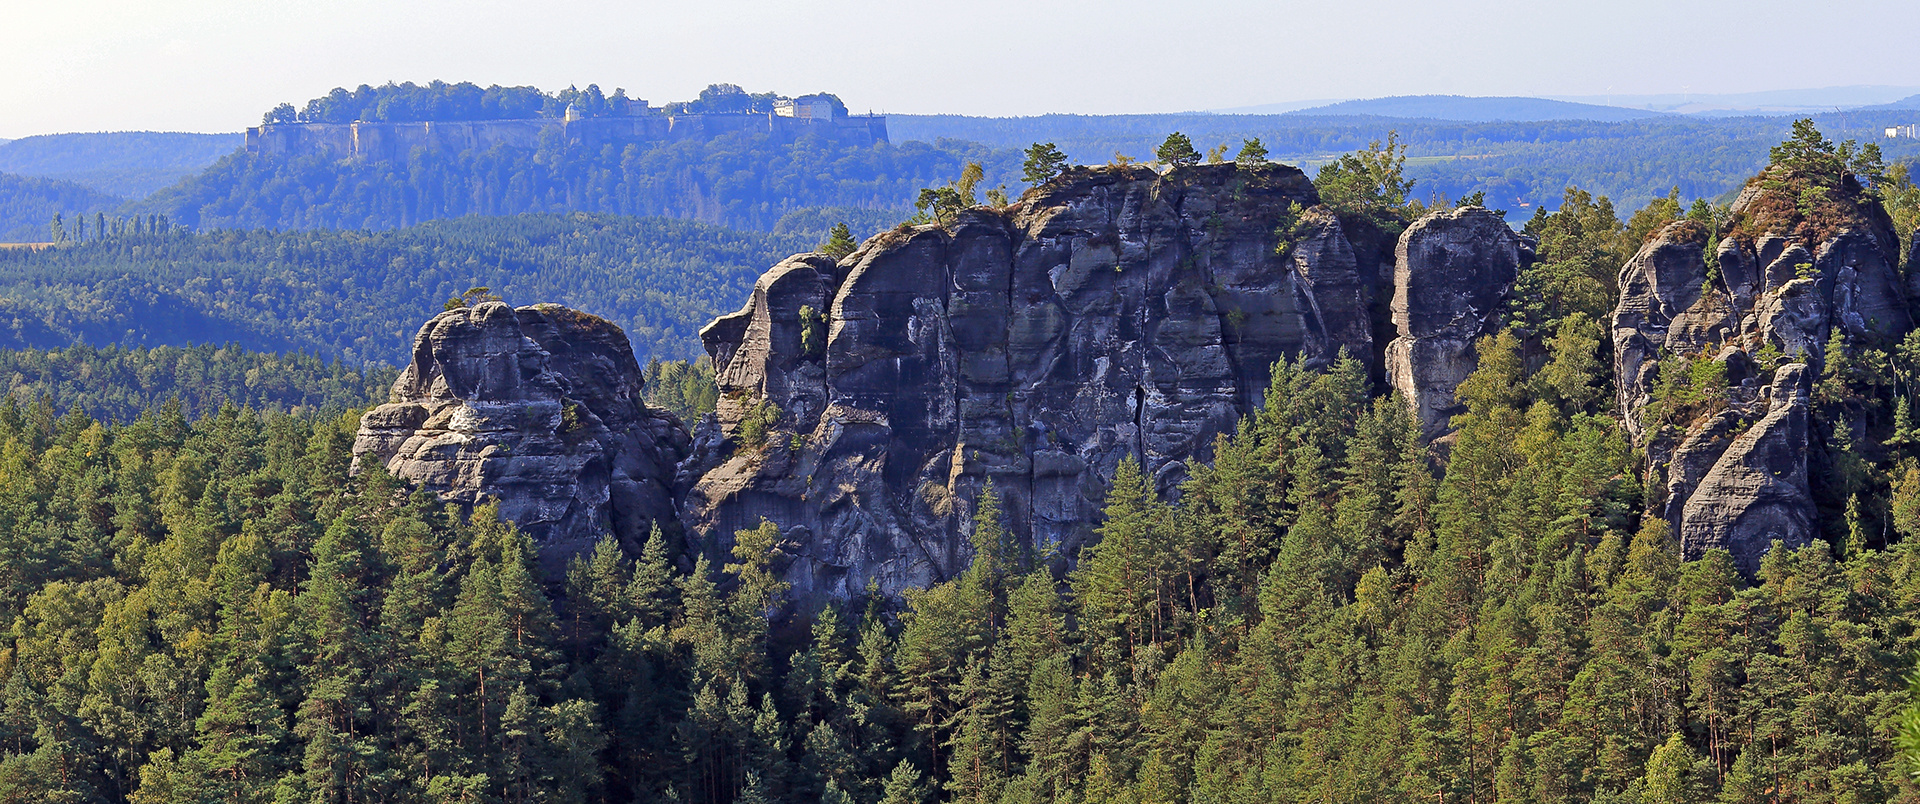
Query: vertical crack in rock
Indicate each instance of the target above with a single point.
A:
(1113, 312)
(1742, 475)
(1453, 271)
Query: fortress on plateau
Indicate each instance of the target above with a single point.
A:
(388, 140)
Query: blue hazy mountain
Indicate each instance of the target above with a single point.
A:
(1820, 100)
(128, 164)
(1476, 109)
(1909, 102)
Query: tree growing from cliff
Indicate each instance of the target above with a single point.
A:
(1252, 153)
(474, 297)
(1177, 151)
(1044, 161)
(840, 241)
(1371, 183)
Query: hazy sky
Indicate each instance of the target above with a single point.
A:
(216, 65)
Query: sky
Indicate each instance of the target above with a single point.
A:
(217, 65)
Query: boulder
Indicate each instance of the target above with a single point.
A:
(539, 409)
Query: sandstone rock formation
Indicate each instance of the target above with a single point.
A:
(1756, 492)
(538, 408)
(1784, 282)
(1453, 271)
(1115, 312)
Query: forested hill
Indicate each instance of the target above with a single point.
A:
(29, 205)
(1519, 165)
(127, 164)
(740, 180)
(215, 611)
(360, 295)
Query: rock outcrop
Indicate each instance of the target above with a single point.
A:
(1453, 272)
(538, 408)
(1756, 492)
(1780, 287)
(1115, 312)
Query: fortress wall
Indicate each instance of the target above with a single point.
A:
(281, 139)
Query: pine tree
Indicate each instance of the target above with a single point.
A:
(1177, 151)
(840, 242)
(1044, 162)
(1252, 153)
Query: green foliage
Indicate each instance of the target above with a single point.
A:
(942, 205)
(813, 331)
(1291, 229)
(1252, 153)
(438, 100)
(1369, 183)
(118, 384)
(757, 423)
(474, 296)
(1043, 162)
(1649, 220)
(120, 164)
(212, 610)
(1578, 257)
(743, 180)
(840, 242)
(1525, 163)
(685, 388)
(1812, 186)
(1901, 198)
(27, 204)
(1689, 388)
(1177, 151)
(362, 295)
(1575, 378)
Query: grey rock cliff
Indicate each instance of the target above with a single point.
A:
(1453, 271)
(1115, 312)
(1756, 494)
(1737, 477)
(539, 409)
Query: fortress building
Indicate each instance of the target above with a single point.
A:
(392, 141)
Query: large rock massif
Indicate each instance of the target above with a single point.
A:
(539, 409)
(1738, 476)
(1116, 312)
(867, 402)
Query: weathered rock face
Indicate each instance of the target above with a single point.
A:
(538, 408)
(1116, 313)
(1738, 479)
(1452, 274)
(1756, 492)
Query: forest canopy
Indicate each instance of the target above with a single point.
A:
(360, 296)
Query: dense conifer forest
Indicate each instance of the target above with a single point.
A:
(28, 205)
(360, 295)
(212, 610)
(118, 384)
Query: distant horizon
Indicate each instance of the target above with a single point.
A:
(217, 65)
(1264, 109)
